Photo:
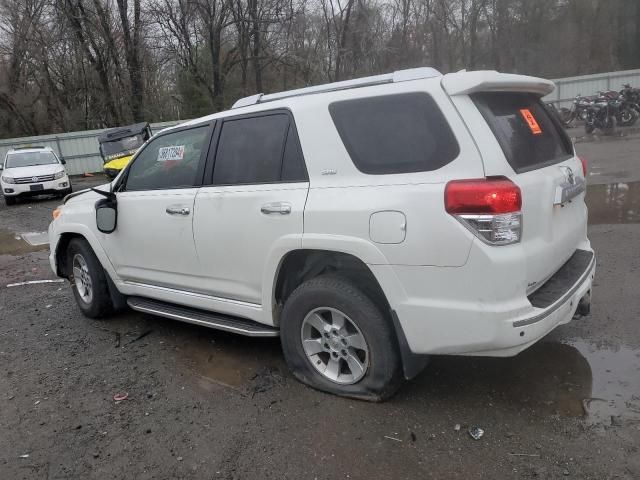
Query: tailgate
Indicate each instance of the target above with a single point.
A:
(519, 139)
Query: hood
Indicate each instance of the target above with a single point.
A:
(87, 193)
(32, 171)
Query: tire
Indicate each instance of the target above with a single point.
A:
(627, 118)
(9, 201)
(566, 116)
(93, 295)
(589, 128)
(330, 297)
(610, 125)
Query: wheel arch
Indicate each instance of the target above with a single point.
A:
(298, 266)
(61, 248)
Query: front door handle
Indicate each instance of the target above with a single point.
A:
(178, 210)
(282, 208)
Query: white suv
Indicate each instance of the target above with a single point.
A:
(31, 171)
(367, 223)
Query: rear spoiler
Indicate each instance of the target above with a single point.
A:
(465, 83)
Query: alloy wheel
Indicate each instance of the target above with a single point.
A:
(334, 345)
(82, 279)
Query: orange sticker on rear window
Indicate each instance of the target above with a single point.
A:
(531, 121)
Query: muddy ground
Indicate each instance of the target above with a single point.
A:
(203, 404)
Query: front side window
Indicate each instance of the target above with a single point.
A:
(400, 133)
(261, 149)
(169, 161)
(29, 159)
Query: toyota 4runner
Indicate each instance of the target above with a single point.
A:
(367, 223)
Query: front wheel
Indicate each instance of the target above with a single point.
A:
(628, 117)
(336, 339)
(10, 201)
(88, 280)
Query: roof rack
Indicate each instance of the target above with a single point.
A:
(397, 76)
(30, 148)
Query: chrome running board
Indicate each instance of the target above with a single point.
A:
(218, 321)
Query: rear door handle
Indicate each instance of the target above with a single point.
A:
(178, 210)
(282, 208)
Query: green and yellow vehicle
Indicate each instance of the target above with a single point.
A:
(118, 145)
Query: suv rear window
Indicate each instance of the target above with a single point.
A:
(400, 133)
(528, 134)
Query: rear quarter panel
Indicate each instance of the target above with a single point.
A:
(342, 199)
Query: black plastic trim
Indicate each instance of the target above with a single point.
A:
(412, 363)
(563, 285)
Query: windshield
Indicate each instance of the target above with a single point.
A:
(122, 146)
(28, 159)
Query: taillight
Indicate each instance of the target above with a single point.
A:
(489, 207)
(583, 162)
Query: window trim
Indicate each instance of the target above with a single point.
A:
(345, 142)
(213, 149)
(121, 185)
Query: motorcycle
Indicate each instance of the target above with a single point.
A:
(602, 114)
(630, 108)
(578, 110)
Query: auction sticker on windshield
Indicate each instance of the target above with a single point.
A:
(171, 153)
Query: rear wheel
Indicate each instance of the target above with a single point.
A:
(10, 200)
(337, 340)
(88, 280)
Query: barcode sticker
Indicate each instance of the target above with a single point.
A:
(171, 153)
(531, 121)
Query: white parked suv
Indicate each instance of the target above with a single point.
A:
(367, 223)
(31, 171)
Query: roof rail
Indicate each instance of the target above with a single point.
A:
(30, 148)
(397, 76)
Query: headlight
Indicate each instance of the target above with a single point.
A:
(8, 180)
(59, 174)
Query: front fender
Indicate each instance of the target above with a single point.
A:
(58, 230)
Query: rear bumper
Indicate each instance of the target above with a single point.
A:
(470, 323)
(518, 334)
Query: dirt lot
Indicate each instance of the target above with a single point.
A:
(203, 404)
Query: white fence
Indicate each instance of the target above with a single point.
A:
(79, 149)
(568, 88)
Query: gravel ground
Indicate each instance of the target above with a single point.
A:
(203, 404)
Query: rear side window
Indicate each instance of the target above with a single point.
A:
(260, 149)
(401, 133)
(530, 138)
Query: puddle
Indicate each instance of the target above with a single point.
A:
(615, 390)
(13, 244)
(601, 385)
(36, 238)
(614, 203)
(229, 360)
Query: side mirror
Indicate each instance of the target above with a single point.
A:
(63, 161)
(107, 214)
